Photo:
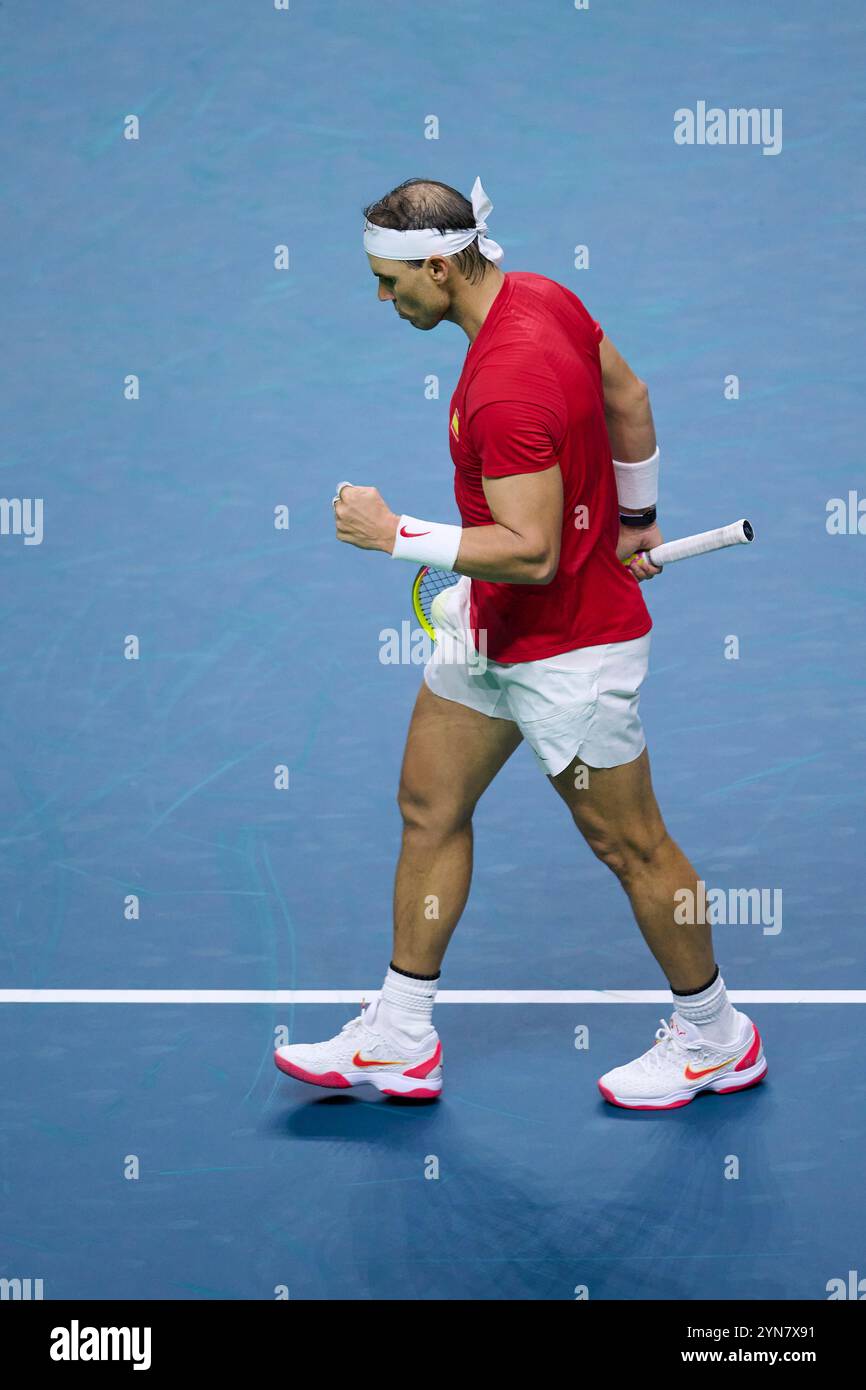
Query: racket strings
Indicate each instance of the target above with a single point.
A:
(434, 582)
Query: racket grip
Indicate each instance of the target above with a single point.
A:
(738, 533)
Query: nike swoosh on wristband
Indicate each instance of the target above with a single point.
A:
(696, 1075)
(359, 1061)
(410, 535)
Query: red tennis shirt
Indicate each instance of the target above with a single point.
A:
(529, 396)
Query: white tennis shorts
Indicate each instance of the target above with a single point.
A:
(580, 703)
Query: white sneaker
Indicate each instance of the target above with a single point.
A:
(359, 1055)
(681, 1063)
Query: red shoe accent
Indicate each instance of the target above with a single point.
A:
(420, 1093)
(424, 1068)
(327, 1078)
(752, 1054)
(745, 1086)
(609, 1095)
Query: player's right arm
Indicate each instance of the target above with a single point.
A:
(627, 409)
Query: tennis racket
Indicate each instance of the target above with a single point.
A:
(429, 584)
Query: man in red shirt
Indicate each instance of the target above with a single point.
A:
(555, 458)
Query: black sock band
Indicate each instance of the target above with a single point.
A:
(684, 993)
(410, 976)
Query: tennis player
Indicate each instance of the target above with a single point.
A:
(556, 481)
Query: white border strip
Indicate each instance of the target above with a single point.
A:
(445, 996)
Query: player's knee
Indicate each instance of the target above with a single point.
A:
(628, 853)
(608, 849)
(434, 813)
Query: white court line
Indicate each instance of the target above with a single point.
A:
(445, 996)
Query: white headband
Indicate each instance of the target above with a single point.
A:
(418, 245)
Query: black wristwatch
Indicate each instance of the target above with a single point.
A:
(641, 520)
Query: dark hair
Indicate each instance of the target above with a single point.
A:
(420, 203)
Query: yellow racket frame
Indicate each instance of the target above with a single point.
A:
(416, 603)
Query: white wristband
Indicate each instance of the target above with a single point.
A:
(427, 543)
(637, 484)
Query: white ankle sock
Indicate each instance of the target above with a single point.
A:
(710, 1011)
(404, 1009)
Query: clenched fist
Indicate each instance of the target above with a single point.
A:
(364, 519)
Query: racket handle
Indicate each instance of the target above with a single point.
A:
(738, 533)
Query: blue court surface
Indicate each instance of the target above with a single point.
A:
(166, 648)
